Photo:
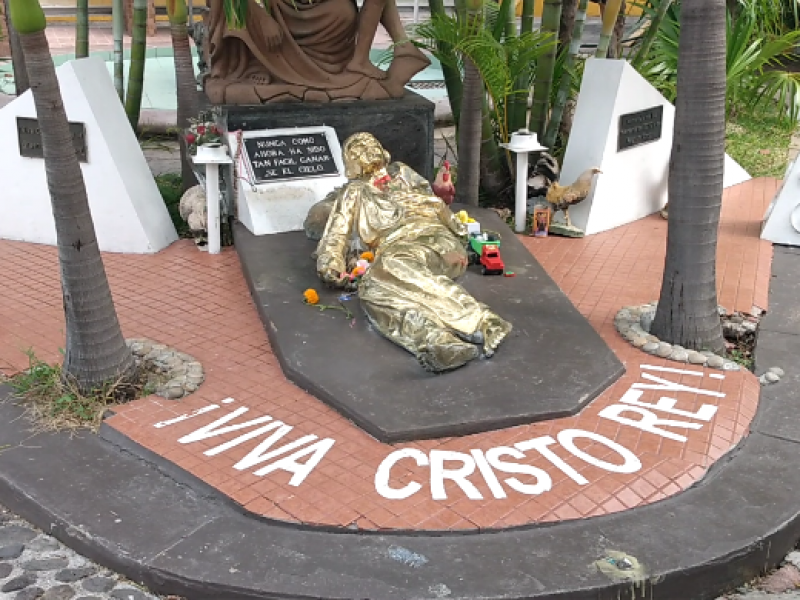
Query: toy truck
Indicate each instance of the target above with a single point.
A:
(491, 262)
(484, 249)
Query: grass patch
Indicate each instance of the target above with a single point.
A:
(170, 185)
(759, 142)
(54, 403)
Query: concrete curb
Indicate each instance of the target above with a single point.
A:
(177, 536)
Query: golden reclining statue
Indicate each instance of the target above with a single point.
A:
(408, 293)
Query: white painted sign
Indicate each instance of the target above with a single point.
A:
(661, 418)
(782, 219)
(128, 211)
(268, 449)
(282, 205)
(502, 468)
(633, 183)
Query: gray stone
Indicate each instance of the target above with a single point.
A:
(128, 594)
(18, 583)
(679, 355)
(98, 584)
(646, 320)
(45, 564)
(639, 342)
(11, 551)
(72, 575)
(763, 380)
(5, 570)
(715, 362)
(664, 350)
(317, 218)
(771, 377)
(16, 534)
(88, 598)
(793, 558)
(31, 593)
(737, 319)
(59, 592)
(43, 544)
(696, 358)
(650, 347)
(778, 371)
(652, 338)
(174, 392)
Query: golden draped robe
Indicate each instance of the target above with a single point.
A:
(408, 293)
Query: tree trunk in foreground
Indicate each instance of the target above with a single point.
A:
(687, 308)
(95, 349)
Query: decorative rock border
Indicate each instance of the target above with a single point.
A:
(172, 374)
(633, 323)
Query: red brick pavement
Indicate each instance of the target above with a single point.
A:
(166, 297)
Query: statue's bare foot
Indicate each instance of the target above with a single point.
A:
(495, 330)
(364, 67)
(446, 354)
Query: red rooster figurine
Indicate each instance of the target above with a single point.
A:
(443, 184)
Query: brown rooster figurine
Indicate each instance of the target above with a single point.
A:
(443, 184)
(562, 197)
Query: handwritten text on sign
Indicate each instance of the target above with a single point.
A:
(640, 127)
(294, 156)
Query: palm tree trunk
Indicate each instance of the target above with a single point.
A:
(687, 307)
(186, 84)
(118, 29)
(494, 169)
(543, 84)
(518, 106)
(452, 76)
(610, 13)
(565, 85)
(133, 101)
(82, 29)
(651, 34)
(95, 349)
(469, 136)
(618, 34)
(569, 10)
(17, 57)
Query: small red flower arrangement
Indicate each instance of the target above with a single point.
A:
(201, 131)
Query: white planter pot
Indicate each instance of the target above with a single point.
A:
(212, 150)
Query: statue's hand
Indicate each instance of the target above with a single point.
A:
(273, 33)
(332, 277)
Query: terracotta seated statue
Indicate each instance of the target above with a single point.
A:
(309, 50)
(408, 293)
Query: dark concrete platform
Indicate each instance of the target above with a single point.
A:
(404, 126)
(552, 365)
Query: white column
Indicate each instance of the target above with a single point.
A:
(521, 193)
(212, 208)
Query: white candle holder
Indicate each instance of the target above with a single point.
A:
(212, 158)
(522, 143)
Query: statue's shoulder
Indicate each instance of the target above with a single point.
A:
(401, 170)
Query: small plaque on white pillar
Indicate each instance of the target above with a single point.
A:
(282, 173)
(782, 219)
(624, 126)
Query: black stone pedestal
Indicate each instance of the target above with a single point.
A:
(404, 126)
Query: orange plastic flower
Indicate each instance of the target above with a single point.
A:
(368, 256)
(311, 296)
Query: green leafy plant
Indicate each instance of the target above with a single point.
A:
(755, 62)
(501, 63)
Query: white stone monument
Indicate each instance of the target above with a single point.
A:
(128, 211)
(282, 173)
(782, 219)
(616, 128)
